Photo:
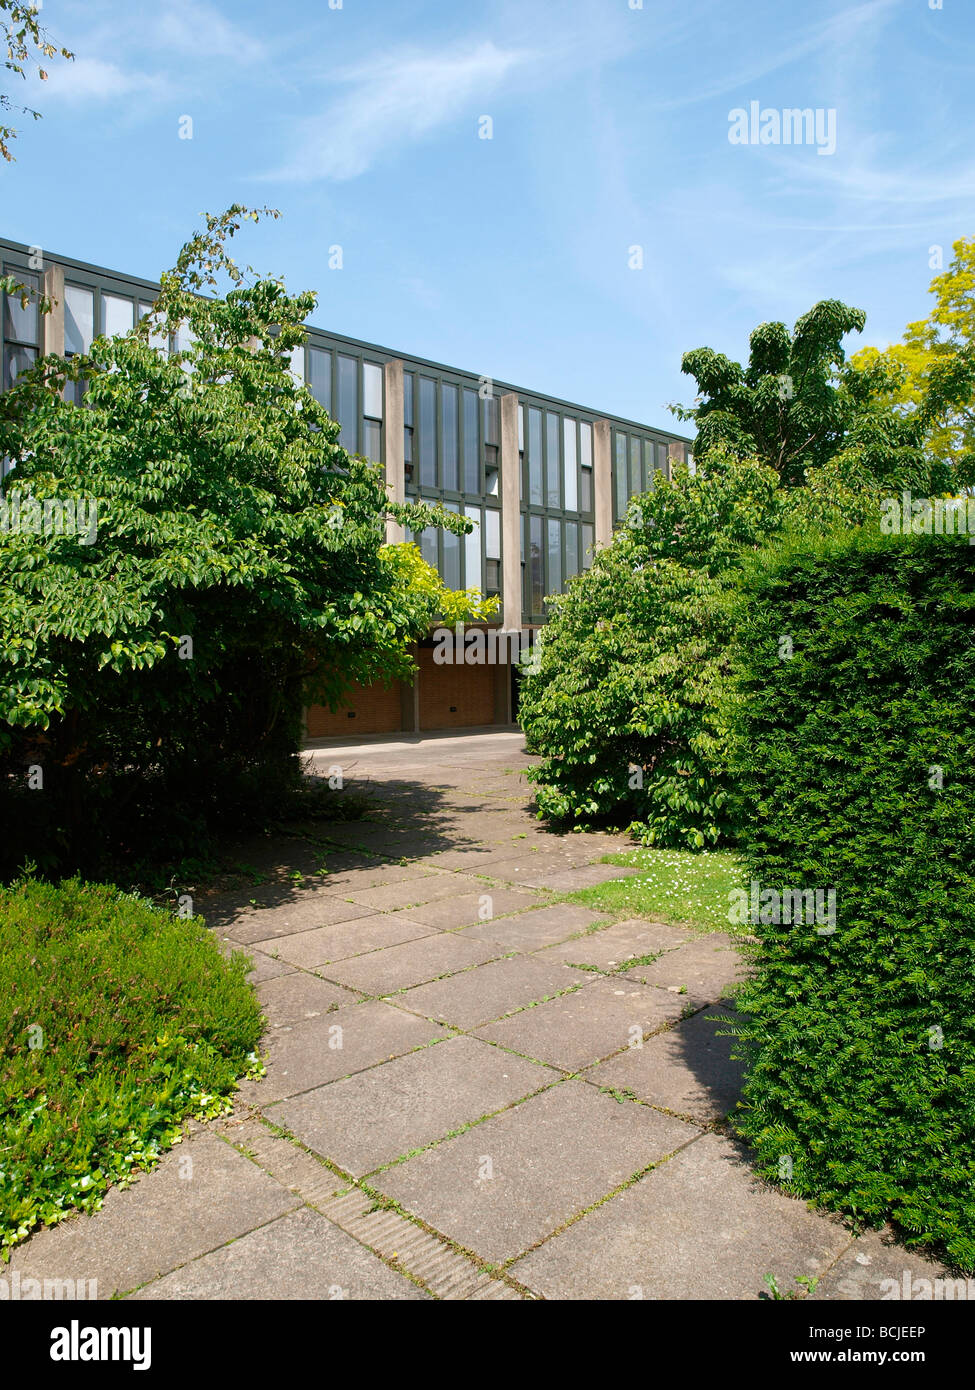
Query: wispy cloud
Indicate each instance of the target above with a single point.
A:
(395, 101)
(198, 30)
(95, 79)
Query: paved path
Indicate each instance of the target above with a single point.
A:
(469, 1093)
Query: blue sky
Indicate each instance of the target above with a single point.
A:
(511, 256)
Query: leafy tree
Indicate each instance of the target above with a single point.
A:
(624, 704)
(25, 41)
(236, 570)
(797, 404)
(931, 373)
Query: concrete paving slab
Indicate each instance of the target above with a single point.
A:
(202, 1194)
(314, 948)
(611, 948)
(877, 1268)
(688, 1070)
(578, 1029)
(390, 897)
(513, 1180)
(481, 905)
(572, 880)
(265, 967)
(413, 963)
(705, 969)
(697, 1227)
(543, 926)
(379, 1115)
(312, 909)
(300, 1256)
(489, 991)
(318, 1050)
(289, 999)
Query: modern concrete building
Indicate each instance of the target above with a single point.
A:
(545, 480)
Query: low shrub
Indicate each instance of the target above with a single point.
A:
(117, 1023)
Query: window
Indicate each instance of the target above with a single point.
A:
(320, 377)
(473, 543)
(636, 466)
(372, 411)
(408, 380)
(372, 390)
(21, 327)
(585, 461)
(118, 315)
(535, 459)
(79, 319)
(79, 330)
(662, 463)
(587, 544)
(451, 553)
(571, 549)
(296, 366)
(428, 432)
(619, 476)
(348, 404)
(450, 465)
(553, 461)
(570, 465)
(554, 555)
(492, 551)
(535, 560)
(472, 453)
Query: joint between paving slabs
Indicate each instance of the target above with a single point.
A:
(379, 1201)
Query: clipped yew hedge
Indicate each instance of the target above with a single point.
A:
(853, 766)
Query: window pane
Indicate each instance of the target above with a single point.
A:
(636, 467)
(297, 365)
(662, 460)
(521, 429)
(571, 549)
(553, 461)
(451, 554)
(587, 539)
(492, 534)
(448, 438)
(372, 390)
(586, 500)
(15, 361)
(320, 376)
(585, 441)
(428, 432)
(472, 549)
(491, 414)
(79, 318)
(429, 547)
(535, 458)
(571, 470)
(117, 315)
(536, 582)
(372, 440)
(472, 453)
(408, 399)
(554, 556)
(348, 403)
(20, 325)
(619, 477)
(143, 308)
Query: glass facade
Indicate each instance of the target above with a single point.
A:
(451, 434)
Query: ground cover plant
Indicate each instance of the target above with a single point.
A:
(118, 1022)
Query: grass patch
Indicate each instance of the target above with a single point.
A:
(117, 1023)
(674, 885)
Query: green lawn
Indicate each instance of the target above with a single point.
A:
(675, 885)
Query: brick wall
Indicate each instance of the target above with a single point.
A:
(454, 697)
(377, 710)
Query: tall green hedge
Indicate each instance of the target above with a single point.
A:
(854, 769)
